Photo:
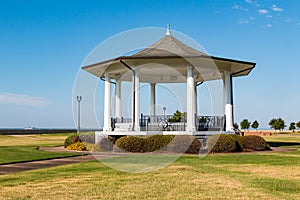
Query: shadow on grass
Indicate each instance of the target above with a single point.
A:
(281, 144)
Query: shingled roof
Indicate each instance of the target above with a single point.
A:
(169, 51)
(168, 46)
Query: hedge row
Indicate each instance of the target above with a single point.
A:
(168, 143)
(225, 143)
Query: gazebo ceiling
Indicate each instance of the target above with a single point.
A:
(166, 61)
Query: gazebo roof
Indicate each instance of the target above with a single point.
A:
(168, 46)
(169, 51)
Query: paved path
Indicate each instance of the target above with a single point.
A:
(24, 166)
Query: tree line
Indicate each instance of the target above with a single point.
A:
(275, 123)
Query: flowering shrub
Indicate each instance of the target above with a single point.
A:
(78, 146)
(92, 147)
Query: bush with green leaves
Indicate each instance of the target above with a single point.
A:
(156, 142)
(223, 143)
(168, 143)
(71, 139)
(75, 137)
(254, 143)
(131, 144)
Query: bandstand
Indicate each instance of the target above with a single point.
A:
(167, 61)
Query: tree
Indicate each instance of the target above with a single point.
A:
(236, 126)
(177, 116)
(255, 125)
(292, 126)
(245, 124)
(277, 124)
(298, 124)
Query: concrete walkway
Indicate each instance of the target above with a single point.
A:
(24, 166)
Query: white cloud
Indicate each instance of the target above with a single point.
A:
(249, 1)
(269, 25)
(269, 16)
(243, 21)
(276, 8)
(263, 11)
(238, 7)
(252, 18)
(22, 100)
(288, 20)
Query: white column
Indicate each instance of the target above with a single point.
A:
(196, 106)
(118, 102)
(107, 103)
(190, 123)
(152, 100)
(228, 101)
(133, 101)
(137, 101)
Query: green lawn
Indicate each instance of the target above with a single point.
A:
(24, 148)
(219, 176)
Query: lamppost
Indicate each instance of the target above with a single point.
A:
(164, 108)
(78, 98)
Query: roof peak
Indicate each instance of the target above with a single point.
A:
(168, 30)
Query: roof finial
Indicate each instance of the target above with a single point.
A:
(168, 30)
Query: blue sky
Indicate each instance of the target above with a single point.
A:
(44, 43)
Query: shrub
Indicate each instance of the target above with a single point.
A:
(185, 144)
(195, 147)
(78, 146)
(72, 138)
(92, 147)
(240, 141)
(178, 144)
(254, 143)
(106, 143)
(88, 137)
(156, 142)
(223, 143)
(130, 143)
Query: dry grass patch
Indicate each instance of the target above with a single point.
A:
(32, 140)
(281, 172)
(173, 182)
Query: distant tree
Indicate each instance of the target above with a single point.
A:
(298, 124)
(236, 126)
(272, 123)
(177, 116)
(292, 126)
(277, 124)
(255, 125)
(245, 124)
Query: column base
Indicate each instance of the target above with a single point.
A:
(137, 129)
(106, 129)
(192, 129)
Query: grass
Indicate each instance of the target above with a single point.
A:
(25, 147)
(218, 176)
